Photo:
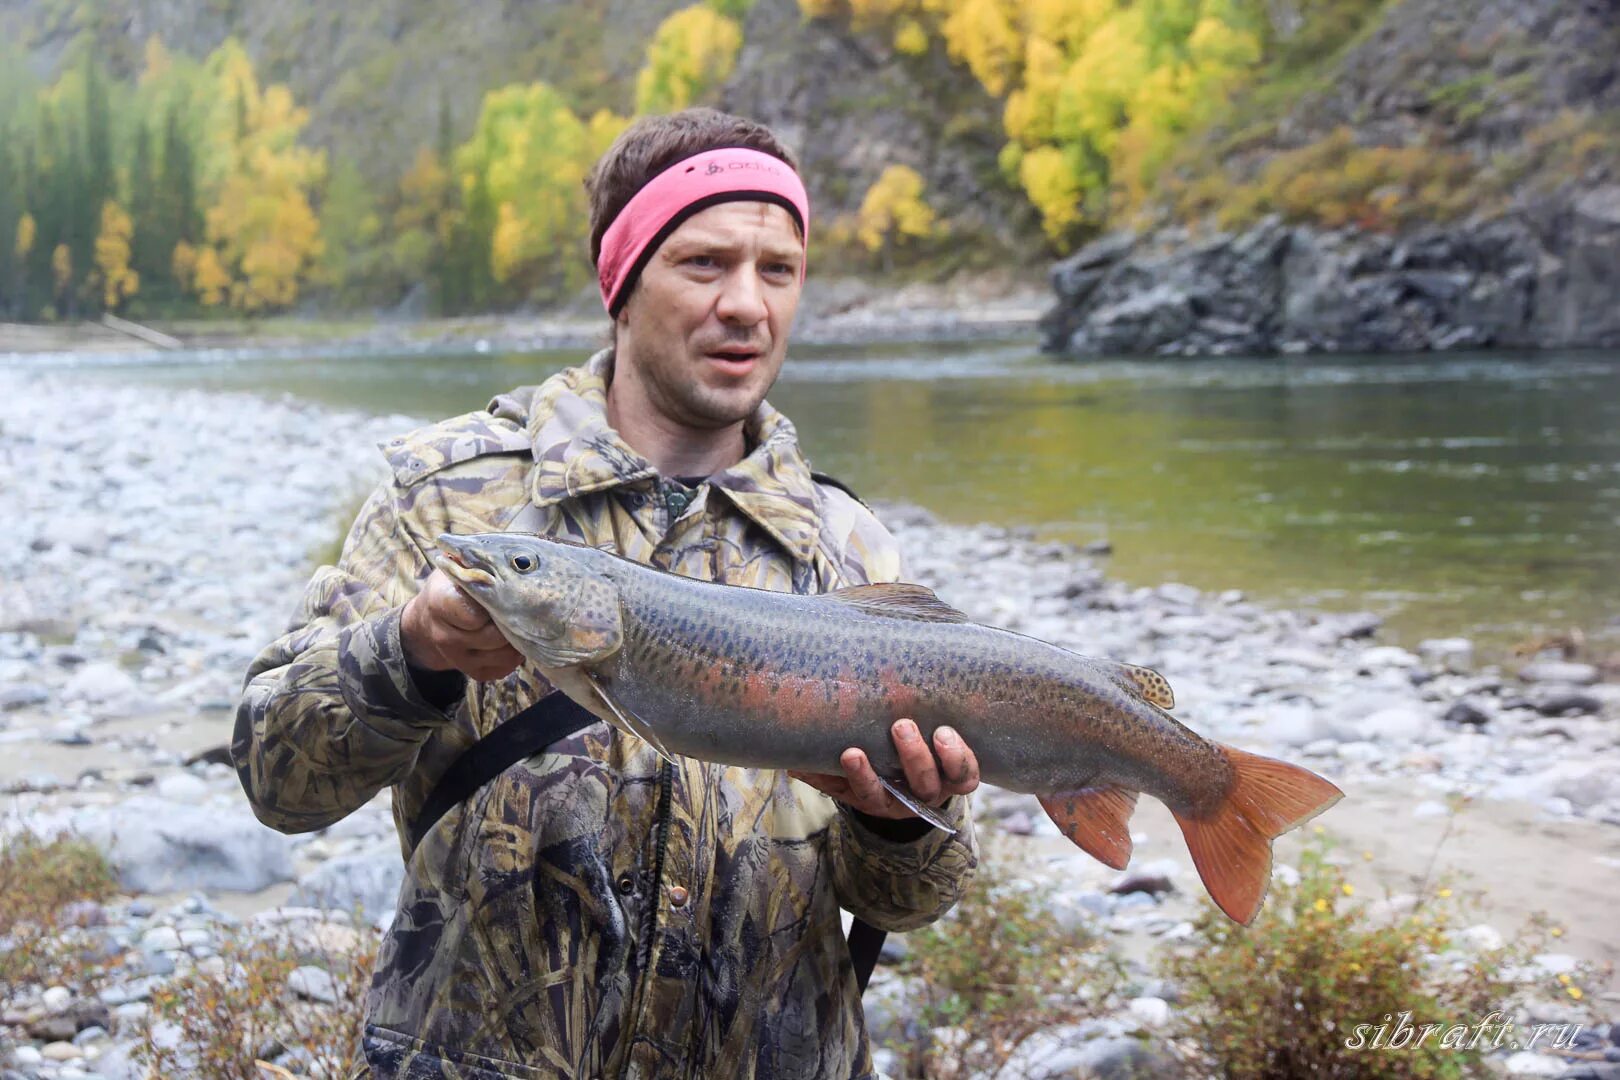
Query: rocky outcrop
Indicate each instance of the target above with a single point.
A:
(1548, 279)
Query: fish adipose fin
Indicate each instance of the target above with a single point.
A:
(1232, 847)
(1146, 683)
(630, 720)
(1097, 819)
(898, 600)
(916, 806)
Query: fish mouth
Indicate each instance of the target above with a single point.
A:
(461, 560)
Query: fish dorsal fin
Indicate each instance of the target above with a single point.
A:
(1152, 686)
(898, 600)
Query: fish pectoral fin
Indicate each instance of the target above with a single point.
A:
(898, 600)
(632, 723)
(1097, 820)
(916, 805)
(1146, 682)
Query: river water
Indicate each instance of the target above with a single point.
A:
(1465, 494)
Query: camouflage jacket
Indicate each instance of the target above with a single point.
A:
(592, 911)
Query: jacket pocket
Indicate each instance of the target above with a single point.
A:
(393, 1055)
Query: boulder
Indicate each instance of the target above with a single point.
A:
(161, 845)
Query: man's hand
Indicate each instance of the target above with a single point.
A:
(442, 629)
(957, 773)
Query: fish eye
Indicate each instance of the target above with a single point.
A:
(523, 563)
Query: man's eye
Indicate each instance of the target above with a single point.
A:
(778, 268)
(702, 262)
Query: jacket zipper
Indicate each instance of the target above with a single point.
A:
(666, 781)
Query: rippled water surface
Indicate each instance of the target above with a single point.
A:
(1471, 494)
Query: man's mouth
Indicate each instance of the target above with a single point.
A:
(740, 359)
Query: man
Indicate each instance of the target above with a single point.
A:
(593, 911)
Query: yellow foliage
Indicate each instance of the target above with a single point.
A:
(209, 279)
(261, 229)
(1104, 89)
(118, 281)
(910, 38)
(532, 153)
(692, 51)
(894, 208)
(1054, 187)
(605, 126)
(61, 267)
(984, 34)
(26, 231)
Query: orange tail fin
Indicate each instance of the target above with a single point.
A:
(1097, 819)
(1232, 847)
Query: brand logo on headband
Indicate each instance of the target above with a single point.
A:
(716, 167)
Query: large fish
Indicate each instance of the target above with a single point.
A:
(780, 681)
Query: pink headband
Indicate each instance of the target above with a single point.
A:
(696, 183)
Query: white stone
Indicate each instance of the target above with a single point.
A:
(57, 999)
(161, 939)
(1455, 655)
(1482, 938)
(1530, 1063)
(182, 787)
(1150, 1011)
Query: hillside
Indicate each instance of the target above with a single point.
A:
(1450, 179)
(1248, 175)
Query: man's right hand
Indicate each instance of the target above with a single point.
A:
(442, 629)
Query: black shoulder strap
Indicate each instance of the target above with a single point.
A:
(833, 481)
(557, 716)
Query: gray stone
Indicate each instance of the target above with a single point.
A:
(22, 696)
(314, 984)
(371, 880)
(1466, 713)
(1553, 700)
(159, 845)
(1559, 671)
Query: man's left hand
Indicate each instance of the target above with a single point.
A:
(955, 773)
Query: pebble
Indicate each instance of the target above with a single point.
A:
(161, 939)
(61, 1051)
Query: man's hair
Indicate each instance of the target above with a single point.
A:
(654, 143)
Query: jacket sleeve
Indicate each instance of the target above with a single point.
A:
(330, 714)
(893, 884)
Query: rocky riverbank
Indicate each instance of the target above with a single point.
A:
(1539, 278)
(157, 539)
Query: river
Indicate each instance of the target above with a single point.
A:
(1465, 494)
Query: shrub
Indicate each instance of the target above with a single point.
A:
(1281, 998)
(38, 879)
(1000, 967)
(220, 1021)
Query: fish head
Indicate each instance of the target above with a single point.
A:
(547, 601)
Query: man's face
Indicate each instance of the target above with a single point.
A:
(705, 330)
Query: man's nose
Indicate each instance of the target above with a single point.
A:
(742, 298)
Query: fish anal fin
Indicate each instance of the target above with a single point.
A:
(631, 722)
(916, 805)
(1153, 687)
(898, 600)
(1097, 820)
(1231, 847)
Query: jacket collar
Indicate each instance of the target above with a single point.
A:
(577, 453)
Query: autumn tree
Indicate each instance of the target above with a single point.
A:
(693, 51)
(523, 172)
(893, 210)
(260, 224)
(114, 277)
